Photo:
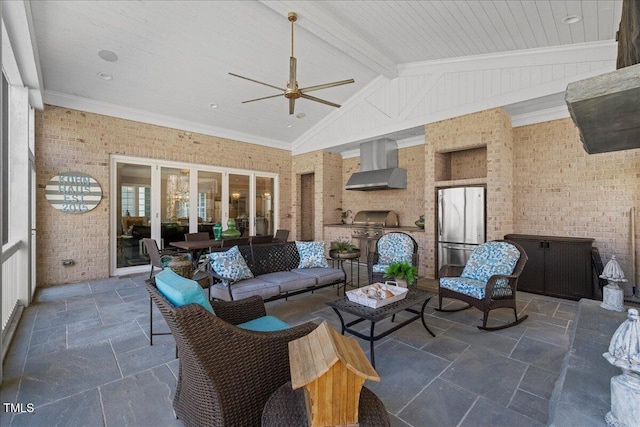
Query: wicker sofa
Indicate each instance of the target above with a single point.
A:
(275, 267)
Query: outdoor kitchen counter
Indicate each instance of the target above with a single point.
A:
(386, 229)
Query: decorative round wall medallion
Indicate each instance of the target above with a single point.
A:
(73, 192)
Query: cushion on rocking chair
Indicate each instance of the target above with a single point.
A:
(486, 260)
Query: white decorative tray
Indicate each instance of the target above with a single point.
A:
(364, 295)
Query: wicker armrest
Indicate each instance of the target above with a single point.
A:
(240, 311)
(493, 279)
(450, 270)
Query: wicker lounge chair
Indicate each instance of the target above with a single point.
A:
(226, 374)
(391, 247)
(488, 281)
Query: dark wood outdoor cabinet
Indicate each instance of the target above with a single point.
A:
(557, 266)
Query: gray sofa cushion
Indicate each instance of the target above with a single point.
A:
(323, 275)
(245, 289)
(289, 281)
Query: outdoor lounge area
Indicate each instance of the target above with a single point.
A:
(82, 357)
(420, 137)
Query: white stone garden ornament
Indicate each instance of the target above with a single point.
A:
(624, 352)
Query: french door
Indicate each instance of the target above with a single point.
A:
(165, 200)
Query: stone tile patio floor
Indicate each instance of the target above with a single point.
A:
(81, 356)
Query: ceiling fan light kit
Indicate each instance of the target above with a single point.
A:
(292, 91)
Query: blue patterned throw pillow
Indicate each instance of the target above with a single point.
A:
(230, 264)
(311, 254)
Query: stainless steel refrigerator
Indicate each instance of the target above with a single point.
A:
(461, 223)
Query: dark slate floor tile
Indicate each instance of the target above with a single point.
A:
(125, 400)
(487, 413)
(174, 365)
(126, 310)
(401, 381)
(80, 410)
(91, 336)
(558, 335)
(8, 394)
(66, 317)
(45, 341)
(486, 373)
(540, 354)
(133, 293)
(539, 382)
(62, 291)
(53, 376)
(397, 422)
(440, 404)
(413, 334)
(532, 406)
(146, 357)
(445, 347)
(110, 285)
(137, 338)
(478, 338)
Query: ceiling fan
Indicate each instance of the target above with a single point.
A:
(293, 92)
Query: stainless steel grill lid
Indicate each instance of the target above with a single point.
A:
(376, 219)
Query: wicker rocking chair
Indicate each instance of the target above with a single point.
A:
(488, 281)
(227, 374)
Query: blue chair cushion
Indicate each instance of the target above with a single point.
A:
(379, 268)
(491, 258)
(311, 255)
(180, 290)
(486, 260)
(394, 247)
(265, 324)
(230, 264)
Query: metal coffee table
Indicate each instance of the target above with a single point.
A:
(374, 315)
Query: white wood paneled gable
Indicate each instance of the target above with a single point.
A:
(174, 58)
(432, 91)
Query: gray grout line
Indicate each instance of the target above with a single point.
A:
(468, 411)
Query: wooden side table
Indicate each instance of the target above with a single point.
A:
(286, 407)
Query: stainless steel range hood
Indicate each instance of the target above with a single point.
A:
(378, 167)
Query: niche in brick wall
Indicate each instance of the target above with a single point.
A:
(462, 164)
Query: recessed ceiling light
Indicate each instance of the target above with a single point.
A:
(213, 105)
(105, 76)
(571, 19)
(289, 125)
(108, 55)
(300, 115)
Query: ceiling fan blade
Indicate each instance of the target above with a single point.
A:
(326, 85)
(292, 72)
(322, 101)
(264, 97)
(256, 81)
(292, 105)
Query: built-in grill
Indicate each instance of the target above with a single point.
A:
(368, 226)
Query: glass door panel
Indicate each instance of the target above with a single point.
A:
(264, 206)
(209, 208)
(238, 202)
(133, 213)
(174, 205)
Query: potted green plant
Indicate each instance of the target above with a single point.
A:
(344, 214)
(403, 272)
(343, 249)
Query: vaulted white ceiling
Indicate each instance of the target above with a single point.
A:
(174, 56)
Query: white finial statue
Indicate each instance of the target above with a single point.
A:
(612, 294)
